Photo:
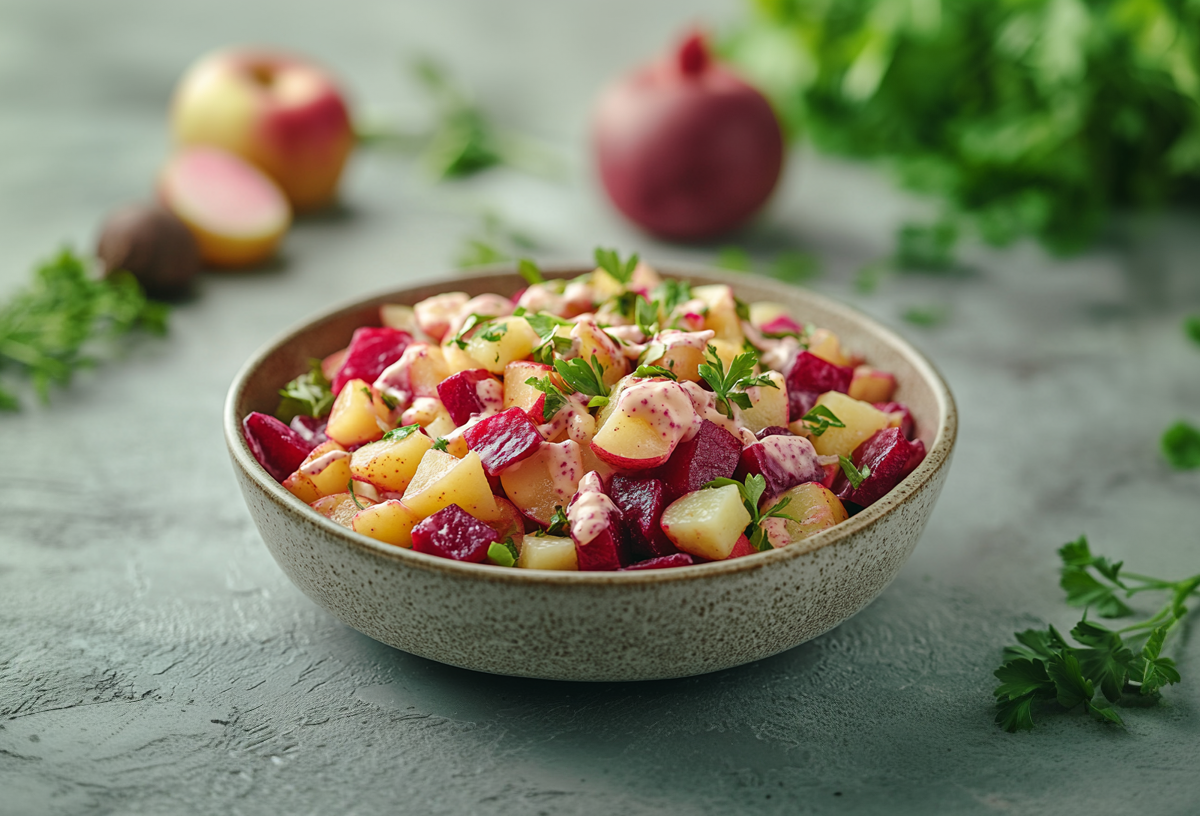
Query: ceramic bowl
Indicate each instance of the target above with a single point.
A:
(595, 625)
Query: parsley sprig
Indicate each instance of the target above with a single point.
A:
(730, 386)
(310, 394)
(853, 474)
(820, 419)
(546, 326)
(585, 378)
(555, 398)
(1045, 671)
(752, 490)
(610, 261)
(503, 553)
(560, 525)
(64, 318)
(652, 371)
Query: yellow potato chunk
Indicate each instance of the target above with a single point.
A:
(707, 523)
(826, 345)
(768, 406)
(813, 508)
(390, 522)
(593, 341)
(442, 480)
(548, 553)
(389, 464)
(862, 420)
(500, 341)
(340, 507)
(516, 392)
(354, 418)
(871, 385)
(722, 312)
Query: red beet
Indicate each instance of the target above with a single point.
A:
(741, 548)
(455, 534)
(784, 461)
(641, 500)
(779, 326)
(711, 454)
(907, 424)
(685, 148)
(662, 562)
(503, 439)
(774, 430)
(887, 455)
(278, 448)
(596, 528)
(311, 429)
(460, 393)
(371, 350)
(809, 377)
(916, 458)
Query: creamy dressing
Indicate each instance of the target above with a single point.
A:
(573, 418)
(433, 314)
(422, 411)
(664, 405)
(490, 392)
(488, 305)
(591, 511)
(795, 455)
(563, 465)
(395, 380)
(705, 405)
(540, 297)
(578, 297)
(323, 461)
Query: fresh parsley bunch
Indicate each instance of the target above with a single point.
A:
(1025, 117)
(1103, 667)
(62, 321)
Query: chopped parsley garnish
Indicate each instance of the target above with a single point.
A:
(555, 398)
(473, 320)
(441, 444)
(651, 371)
(401, 433)
(503, 553)
(820, 419)
(610, 262)
(752, 490)
(308, 395)
(1181, 446)
(645, 314)
(560, 525)
(353, 496)
(671, 294)
(730, 386)
(48, 329)
(853, 474)
(552, 344)
(530, 271)
(1044, 671)
(584, 378)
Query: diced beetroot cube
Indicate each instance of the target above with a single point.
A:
(641, 500)
(917, 457)
(460, 393)
(711, 454)
(809, 377)
(886, 454)
(742, 547)
(831, 471)
(455, 534)
(537, 412)
(662, 562)
(503, 439)
(278, 448)
(907, 424)
(371, 350)
(774, 430)
(780, 326)
(596, 527)
(311, 429)
(784, 461)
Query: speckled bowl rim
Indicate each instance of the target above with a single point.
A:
(937, 456)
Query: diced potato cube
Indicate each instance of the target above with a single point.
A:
(501, 341)
(826, 345)
(389, 464)
(812, 508)
(707, 523)
(442, 480)
(340, 507)
(390, 522)
(862, 420)
(872, 385)
(722, 312)
(768, 406)
(354, 418)
(548, 553)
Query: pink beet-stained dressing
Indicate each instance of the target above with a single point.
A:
(323, 461)
(491, 395)
(705, 406)
(563, 463)
(664, 405)
(590, 510)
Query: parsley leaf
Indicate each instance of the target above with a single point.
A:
(855, 476)
(610, 262)
(560, 525)
(752, 490)
(555, 398)
(1181, 446)
(820, 419)
(584, 378)
(651, 371)
(473, 320)
(353, 497)
(309, 394)
(530, 271)
(401, 433)
(441, 444)
(671, 294)
(51, 329)
(730, 386)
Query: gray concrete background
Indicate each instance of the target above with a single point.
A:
(153, 659)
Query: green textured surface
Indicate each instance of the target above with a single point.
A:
(153, 659)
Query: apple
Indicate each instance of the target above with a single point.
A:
(279, 111)
(341, 508)
(811, 509)
(545, 480)
(236, 213)
(872, 385)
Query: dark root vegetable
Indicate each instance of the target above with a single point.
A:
(153, 245)
(686, 149)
